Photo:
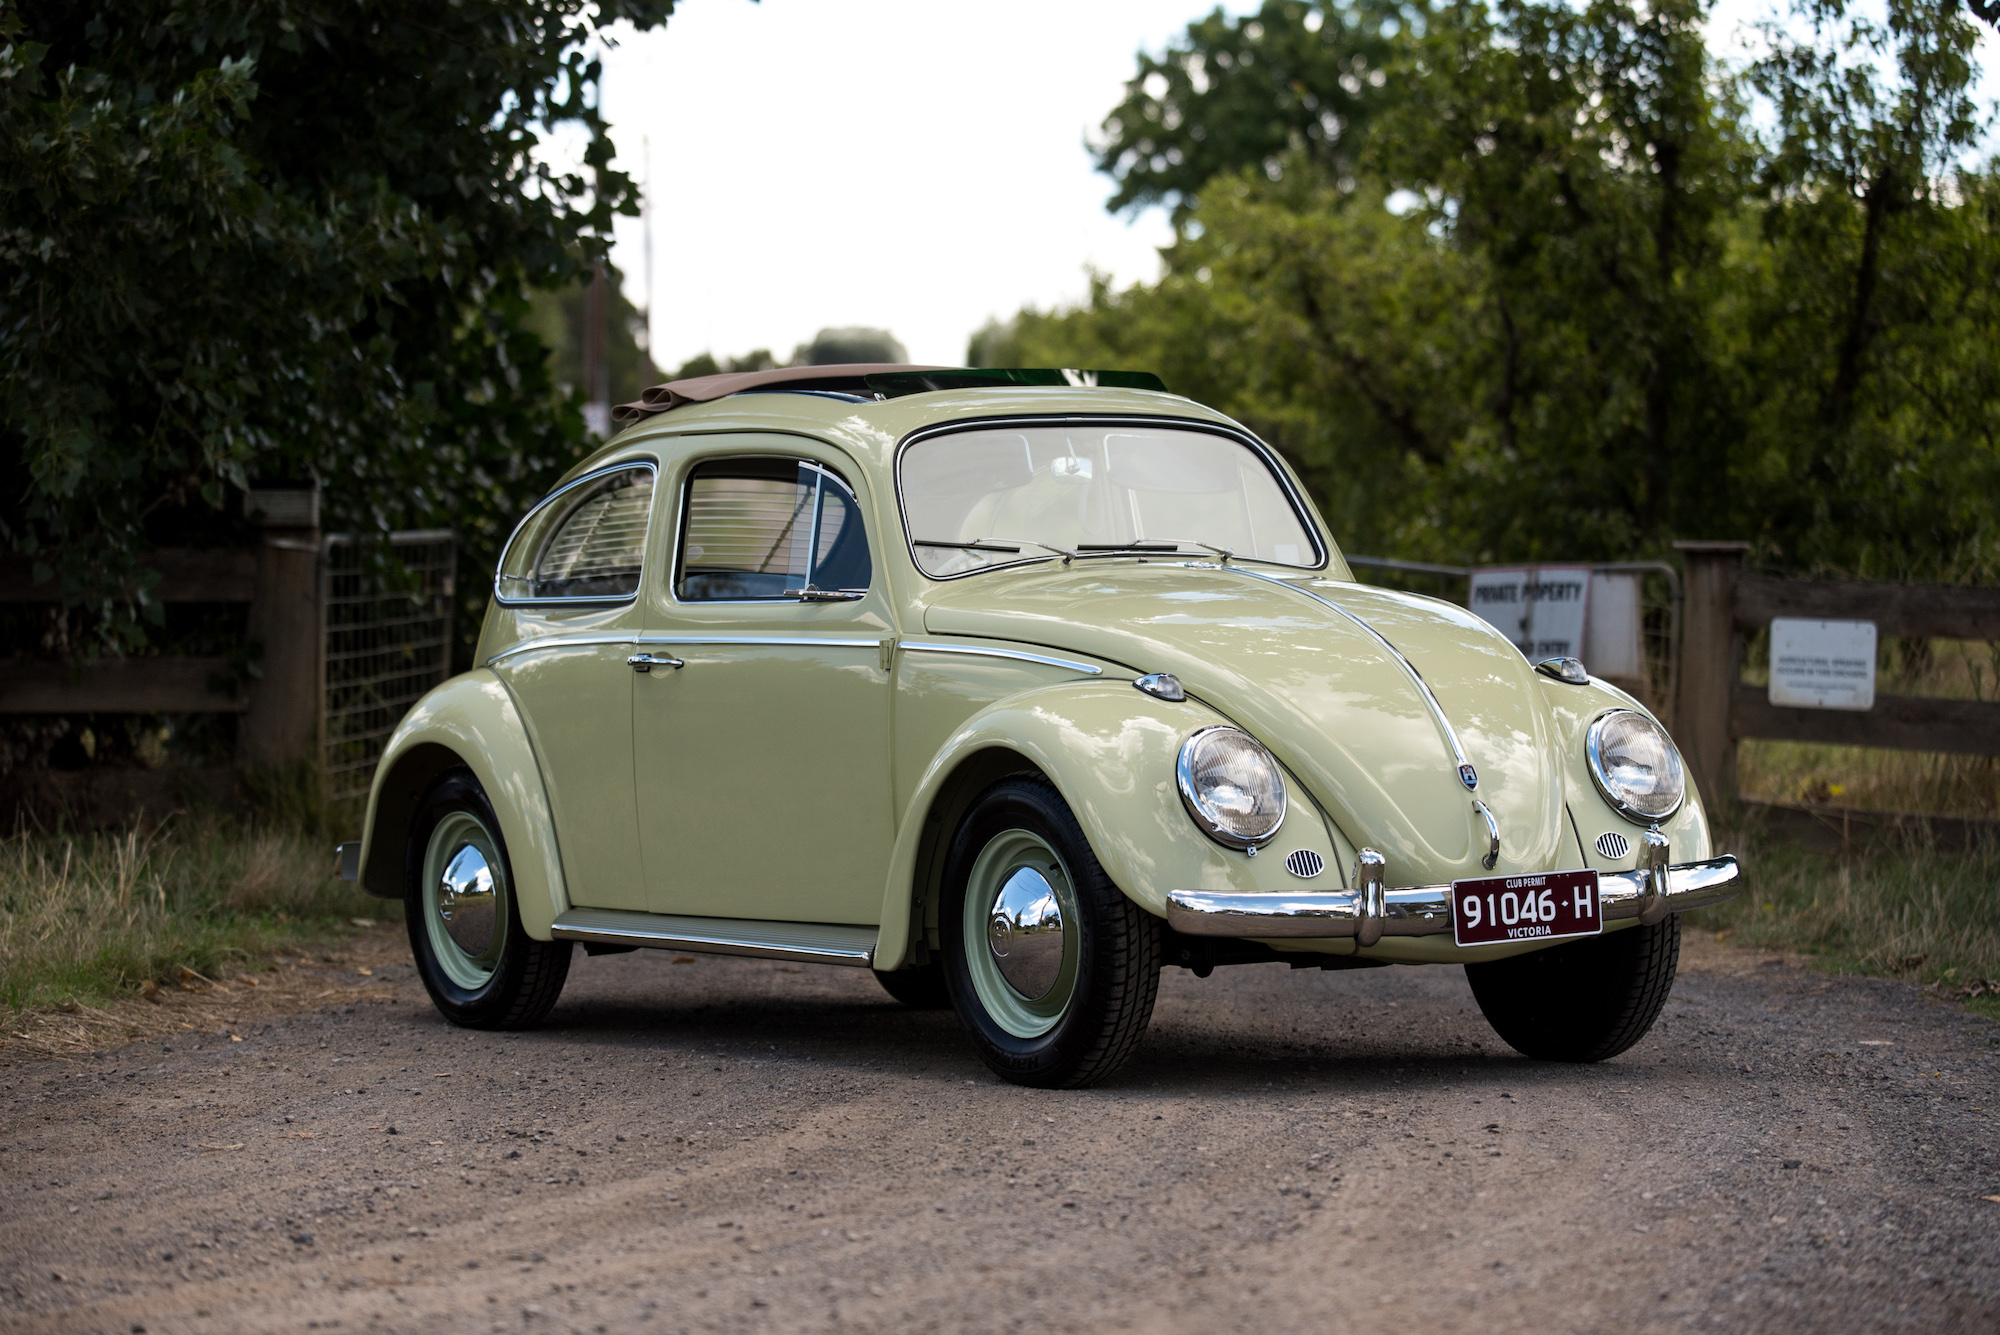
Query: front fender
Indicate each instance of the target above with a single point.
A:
(470, 721)
(1110, 751)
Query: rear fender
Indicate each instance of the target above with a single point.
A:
(1110, 751)
(469, 721)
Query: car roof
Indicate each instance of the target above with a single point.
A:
(871, 430)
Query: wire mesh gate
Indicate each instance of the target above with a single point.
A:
(386, 636)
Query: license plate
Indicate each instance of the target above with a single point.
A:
(1542, 907)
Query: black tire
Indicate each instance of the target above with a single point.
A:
(921, 988)
(523, 977)
(1585, 1001)
(1111, 970)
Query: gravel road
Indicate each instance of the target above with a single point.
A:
(723, 1144)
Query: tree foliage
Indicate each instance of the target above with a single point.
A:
(1559, 295)
(248, 240)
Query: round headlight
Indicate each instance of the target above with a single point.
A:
(1231, 786)
(1636, 766)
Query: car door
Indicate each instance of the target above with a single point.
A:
(570, 579)
(762, 763)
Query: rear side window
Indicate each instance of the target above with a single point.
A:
(583, 544)
(770, 528)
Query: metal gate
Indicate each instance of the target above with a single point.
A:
(1659, 602)
(386, 636)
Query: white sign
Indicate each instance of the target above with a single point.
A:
(1540, 608)
(1613, 633)
(1822, 664)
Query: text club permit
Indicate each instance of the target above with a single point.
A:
(1547, 906)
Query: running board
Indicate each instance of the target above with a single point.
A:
(805, 942)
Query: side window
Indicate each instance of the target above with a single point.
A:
(770, 528)
(584, 544)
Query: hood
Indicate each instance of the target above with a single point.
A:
(1334, 705)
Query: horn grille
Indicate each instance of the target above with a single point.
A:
(1304, 863)
(1613, 845)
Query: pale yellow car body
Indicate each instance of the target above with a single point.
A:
(821, 782)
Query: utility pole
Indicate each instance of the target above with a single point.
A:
(646, 225)
(596, 345)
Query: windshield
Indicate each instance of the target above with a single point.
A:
(974, 499)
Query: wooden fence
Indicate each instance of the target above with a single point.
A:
(338, 661)
(1724, 605)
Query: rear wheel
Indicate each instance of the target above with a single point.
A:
(1585, 1001)
(1052, 970)
(481, 968)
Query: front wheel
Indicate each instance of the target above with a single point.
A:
(1581, 1002)
(1052, 970)
(481, 968)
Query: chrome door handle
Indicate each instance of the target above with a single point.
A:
(647, 662)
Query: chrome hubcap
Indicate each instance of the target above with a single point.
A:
(466, 909)
(466, 899)
(1025, 933)
(1022, 934)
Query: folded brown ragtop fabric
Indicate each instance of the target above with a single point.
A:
(704, 388)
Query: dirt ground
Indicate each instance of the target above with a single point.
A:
(724, 1144)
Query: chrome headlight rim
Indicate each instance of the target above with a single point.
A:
(1593, 750)
(1184, 780)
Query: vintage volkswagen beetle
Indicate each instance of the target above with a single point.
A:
(1014, 687)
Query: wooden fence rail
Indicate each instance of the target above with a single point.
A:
(1725, 605)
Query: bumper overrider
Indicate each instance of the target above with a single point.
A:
(1372, 911)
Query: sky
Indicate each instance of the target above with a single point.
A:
(913, 165)
(918, 166)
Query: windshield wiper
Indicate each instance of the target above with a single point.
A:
(962, 546)
(1156, 545)
(1065, 553)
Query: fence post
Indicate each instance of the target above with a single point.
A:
(1710, 664)
(282, 725)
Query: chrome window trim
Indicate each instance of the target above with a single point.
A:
(1594, 762)
(806, 641)
(1019, 654)
(556, 640)
(1467, 775)
(1302, 511)
(679, 531)
(650, 465)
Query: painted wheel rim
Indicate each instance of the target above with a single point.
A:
(1022, 936)
(468, 905)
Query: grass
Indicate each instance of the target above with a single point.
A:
(91, 917)
(1898, 908)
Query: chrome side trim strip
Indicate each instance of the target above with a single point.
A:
(1467, 775)
(805, 942)
(1022, 656)
(779, 640)
(1422, 910)
(557, 641)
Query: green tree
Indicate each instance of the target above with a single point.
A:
(263, 239)
(1562, 300)
(1295, 78)
(558, 320)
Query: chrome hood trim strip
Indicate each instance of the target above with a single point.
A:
(1467, 775)
(980, 651)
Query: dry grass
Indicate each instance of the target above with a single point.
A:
(90, 917)
(1899, 908)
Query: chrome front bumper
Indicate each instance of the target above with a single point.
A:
(1371, 912)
